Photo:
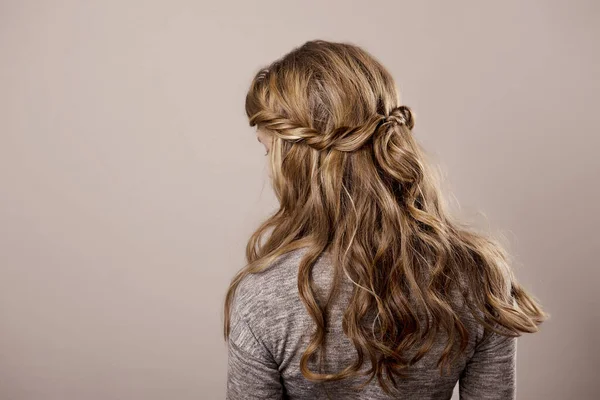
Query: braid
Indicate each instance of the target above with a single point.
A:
(343, 138)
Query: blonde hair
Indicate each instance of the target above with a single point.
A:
(351, 180)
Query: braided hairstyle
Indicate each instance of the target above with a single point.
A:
(342, 138)
(353, 182)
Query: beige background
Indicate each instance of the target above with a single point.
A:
(130, 181)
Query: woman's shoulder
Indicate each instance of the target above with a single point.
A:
(270, 288)
(267, 303)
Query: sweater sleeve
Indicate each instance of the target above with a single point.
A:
(252, 373)
(490, 374)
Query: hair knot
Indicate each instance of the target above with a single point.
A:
(401, 115)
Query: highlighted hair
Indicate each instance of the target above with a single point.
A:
(352, 180)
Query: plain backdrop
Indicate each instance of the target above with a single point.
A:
(130, 180)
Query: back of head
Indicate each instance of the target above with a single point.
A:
(352, 181)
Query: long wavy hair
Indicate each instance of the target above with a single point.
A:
(352, 181)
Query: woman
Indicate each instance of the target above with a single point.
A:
(362, 285)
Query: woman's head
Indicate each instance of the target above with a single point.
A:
(335, 102)
(352, 181)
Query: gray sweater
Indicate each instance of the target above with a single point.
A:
(270, 330)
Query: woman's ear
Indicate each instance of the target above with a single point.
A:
(266, 138)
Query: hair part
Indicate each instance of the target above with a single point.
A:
(352, 181)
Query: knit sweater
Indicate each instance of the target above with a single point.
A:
(270, 329)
